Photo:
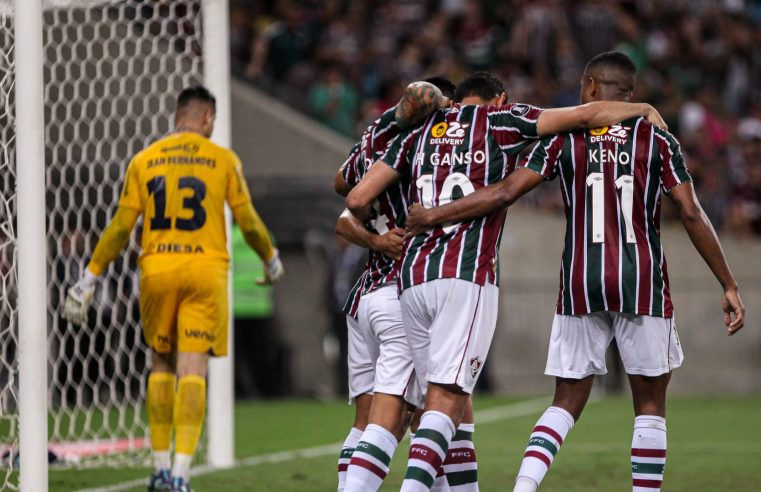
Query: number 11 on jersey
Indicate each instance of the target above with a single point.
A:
(625, 183)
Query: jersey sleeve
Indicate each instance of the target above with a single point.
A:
(397, 153)
(131, 196)
(237, 189)
(673, 168)
(349, 169)
(513, 126)
(544, 158)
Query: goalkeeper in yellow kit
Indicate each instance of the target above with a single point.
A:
(180, 185)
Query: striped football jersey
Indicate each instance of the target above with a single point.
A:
(453, 153)
(611, 180)
(390, 209)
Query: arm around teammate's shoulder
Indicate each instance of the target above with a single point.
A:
(418, 101)
(705, 240)
(340, 185)
(480, 203)
(594, 115)
(378, 178)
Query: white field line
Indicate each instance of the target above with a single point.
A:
(494, 414)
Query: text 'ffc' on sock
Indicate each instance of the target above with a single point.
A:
(546, 438)
(427, 451)
(460, 464)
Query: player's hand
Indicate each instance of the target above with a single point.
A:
(417, 220)
(390, 243)
(78, 300)
(273, 270)
(652, 115)
(732, 304)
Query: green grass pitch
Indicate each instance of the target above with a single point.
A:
(714, 444)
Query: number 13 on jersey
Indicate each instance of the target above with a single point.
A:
(192, 203)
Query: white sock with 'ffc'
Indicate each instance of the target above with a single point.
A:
(371, 459)
(648, 453)
(545, 441)
(346, 451)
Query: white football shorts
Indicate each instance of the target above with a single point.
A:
(450, 324)
(384, 342)
(360, 360)
(649, 345)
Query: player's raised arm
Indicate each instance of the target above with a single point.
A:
(594, 115)
(110, 244)
(417, 102)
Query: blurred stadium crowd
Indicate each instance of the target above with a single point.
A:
(347, 61)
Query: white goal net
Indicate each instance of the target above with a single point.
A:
(112, 70)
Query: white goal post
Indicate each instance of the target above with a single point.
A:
(44, 112)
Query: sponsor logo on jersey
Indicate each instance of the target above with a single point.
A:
(450, 159)
(616, 134)
(200, 334)
(519, 110)
(190, 148)
(608, 156)
(448, 133)
(174, 248)
(475, 365)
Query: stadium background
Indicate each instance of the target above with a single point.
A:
(342, 63)
(308, 76)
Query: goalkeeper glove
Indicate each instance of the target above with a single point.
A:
(78, 299)
(273, 270)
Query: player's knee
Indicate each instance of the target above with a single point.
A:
(192, 364)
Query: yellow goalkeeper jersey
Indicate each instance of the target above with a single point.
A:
(180, 185)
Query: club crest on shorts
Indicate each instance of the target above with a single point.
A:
(475, 366)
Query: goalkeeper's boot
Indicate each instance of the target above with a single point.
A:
(180, 485)
(160, 480)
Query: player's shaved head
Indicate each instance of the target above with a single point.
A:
(482, 86)
(445, 85)
(196, 109)
(608, 76)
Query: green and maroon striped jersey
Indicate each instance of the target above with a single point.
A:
(611, 180)
(453, 153)
(390, 210)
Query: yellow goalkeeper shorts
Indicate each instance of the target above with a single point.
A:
(186, 307)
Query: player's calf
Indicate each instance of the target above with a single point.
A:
(546, 438)
(369, 465)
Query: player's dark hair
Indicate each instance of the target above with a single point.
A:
(198, 93)
(611, 60)
(479, 84)
(445, 85)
